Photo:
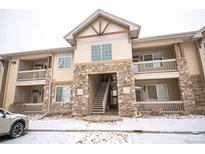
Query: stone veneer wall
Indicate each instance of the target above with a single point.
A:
(46, 91)
(185, 85)
(199, 91)
(56, 107)
(125, 78)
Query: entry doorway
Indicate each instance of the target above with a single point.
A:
(37, 96)
(103, 87)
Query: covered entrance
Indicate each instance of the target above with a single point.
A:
(103, 94)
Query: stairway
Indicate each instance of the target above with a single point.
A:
(97, 107)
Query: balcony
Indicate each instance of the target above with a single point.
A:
(31, 75)
(32, 71)
(158, 95)
(155, 66)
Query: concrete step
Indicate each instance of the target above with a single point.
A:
(98, 101)
(97, 113)
(99, 98)
(93, 110)
(97, 104)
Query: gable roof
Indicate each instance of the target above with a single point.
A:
(199, 33)
(133, 28)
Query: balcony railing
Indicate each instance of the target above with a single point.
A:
(31, 75)
(162, 106)
(166, 65)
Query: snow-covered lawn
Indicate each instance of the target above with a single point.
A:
(61, 130)
(105, 138)
(163, 124)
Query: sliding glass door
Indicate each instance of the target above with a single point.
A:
(157, 92)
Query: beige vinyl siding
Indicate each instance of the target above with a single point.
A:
(64, 74)
(12, 77)
(121, 48)
(192, 57)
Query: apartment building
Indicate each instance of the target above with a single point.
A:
(108, 69)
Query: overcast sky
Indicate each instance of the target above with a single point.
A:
(39, 29)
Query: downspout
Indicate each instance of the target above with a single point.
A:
(7, 78)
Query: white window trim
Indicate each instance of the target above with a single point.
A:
(69, 68)
(156, 86)
(101, 52)
(56, 93)
(152, 58)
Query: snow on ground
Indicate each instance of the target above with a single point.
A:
(104, 138)
(172, 123)
(168, 139)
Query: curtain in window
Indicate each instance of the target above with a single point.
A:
(63, 94)
(152, 92)
(148, 58)
(162, 93)
(59, 91)
(157, 56)
(66, 94)
(65, 61)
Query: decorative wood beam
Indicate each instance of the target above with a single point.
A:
(95, 30)
(110, 33)
(80, 37)
(105, 27)
(100, 26)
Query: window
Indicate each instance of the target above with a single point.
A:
(101, 52)
(106, 52)
(96, 52)
(152, 57)
(64, 61)
(63, 94)
(157, 92)
(136, 58)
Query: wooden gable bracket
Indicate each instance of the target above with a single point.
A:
(100, 26)
(105, 28)
(95, 30)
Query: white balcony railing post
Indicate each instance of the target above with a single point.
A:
(155, 66)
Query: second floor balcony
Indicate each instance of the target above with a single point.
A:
(32, 70)
(154, 60)
(166, 65)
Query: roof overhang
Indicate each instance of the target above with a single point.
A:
(199, 33)
(134, 29)
(184, 36)
(42, 51)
